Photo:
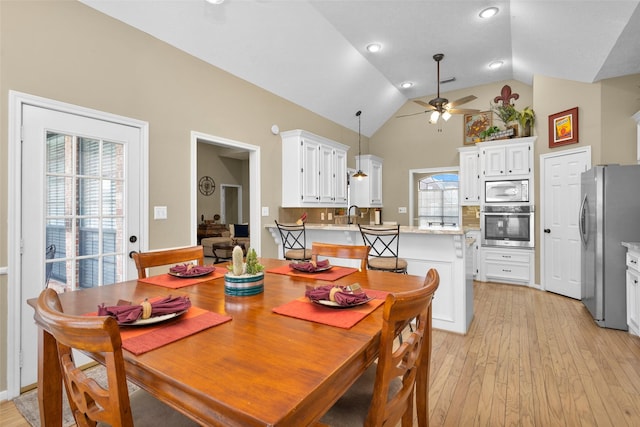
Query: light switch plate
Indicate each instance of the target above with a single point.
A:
(159, 212)
(402, 209)
(265, 211)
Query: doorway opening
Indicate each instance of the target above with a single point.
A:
(241, 149)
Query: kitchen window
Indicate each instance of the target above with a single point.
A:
(438, 203)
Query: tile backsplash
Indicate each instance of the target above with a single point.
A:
(471, 216)
(326, 215)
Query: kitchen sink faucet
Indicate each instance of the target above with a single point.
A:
(349, 213)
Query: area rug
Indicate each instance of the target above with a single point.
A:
(27, 403)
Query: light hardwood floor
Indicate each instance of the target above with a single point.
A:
(531, 358)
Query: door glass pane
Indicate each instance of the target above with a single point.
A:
(85, 211)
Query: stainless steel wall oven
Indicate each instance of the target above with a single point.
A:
(508, 226)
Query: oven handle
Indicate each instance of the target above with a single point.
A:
(506, 213)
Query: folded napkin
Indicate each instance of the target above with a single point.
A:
(191, 269)
(309, 267)
(130, 313)
(340, 296)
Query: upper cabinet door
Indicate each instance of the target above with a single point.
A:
(326, 181)
(340, 176)
(310, 171)
(518, 160)
(494, 161)
(469, 177)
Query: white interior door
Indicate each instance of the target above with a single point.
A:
(559, 221)
(81, 188)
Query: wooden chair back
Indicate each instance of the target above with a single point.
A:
(411, 359)
(146, 260)
(340, 251)
(294, 241)
(89, 401)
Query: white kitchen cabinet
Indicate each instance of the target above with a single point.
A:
(314, 170)
(469, 176)
(506, 159)
(507, 265)
(633, 288)
(475, 252)
(367, 192)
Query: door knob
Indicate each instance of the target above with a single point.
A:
(546, 230)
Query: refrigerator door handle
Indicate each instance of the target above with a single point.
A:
(582, 224)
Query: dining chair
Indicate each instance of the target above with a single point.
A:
(146, 260)
(385, 244)
(384, 394)
(331, 250)
(294, 242)
(91, 402)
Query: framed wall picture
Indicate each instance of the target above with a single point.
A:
(563, 128)
(474, 124)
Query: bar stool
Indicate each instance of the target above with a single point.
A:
(294, 242)
(385, 243)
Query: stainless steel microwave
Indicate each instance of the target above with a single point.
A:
(515, 191)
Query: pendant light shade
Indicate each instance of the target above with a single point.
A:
(359, 175)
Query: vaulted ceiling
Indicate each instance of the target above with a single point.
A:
(313, 52)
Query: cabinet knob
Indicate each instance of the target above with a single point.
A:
(547, 230)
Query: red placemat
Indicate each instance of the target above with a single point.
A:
(140, 339)
(334, 273)
(303, 308)
(169, 281)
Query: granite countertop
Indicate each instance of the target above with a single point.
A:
(403, 228)
(634, 246)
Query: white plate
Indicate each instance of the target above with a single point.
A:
(154, 319)
(334, 304)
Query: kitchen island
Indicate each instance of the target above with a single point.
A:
(442, 248)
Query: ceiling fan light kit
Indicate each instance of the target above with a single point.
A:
(440, 107)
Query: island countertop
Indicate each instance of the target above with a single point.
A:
(444, 248)
(403, 228)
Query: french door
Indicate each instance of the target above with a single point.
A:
(80, 209)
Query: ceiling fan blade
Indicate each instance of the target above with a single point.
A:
(462, 111)
(422, 103)
(413, 114)
(462, 101)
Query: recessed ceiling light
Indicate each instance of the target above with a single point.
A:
(488, 12)
(374, 47)
(406, 85)
(214, 1)
(495, 65)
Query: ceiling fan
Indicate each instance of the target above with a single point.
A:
(441, 107)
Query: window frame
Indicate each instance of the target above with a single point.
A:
(414, 176)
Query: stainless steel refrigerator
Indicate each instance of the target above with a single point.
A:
(609, 214)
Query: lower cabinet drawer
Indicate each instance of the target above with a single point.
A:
(507, 271)
(515, 255)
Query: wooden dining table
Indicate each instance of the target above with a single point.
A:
(259, 369)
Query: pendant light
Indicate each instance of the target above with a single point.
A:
(359, 175)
